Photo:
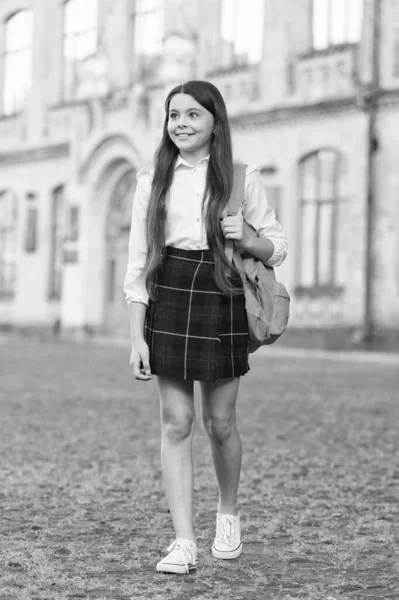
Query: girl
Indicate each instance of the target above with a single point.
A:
(186, 307)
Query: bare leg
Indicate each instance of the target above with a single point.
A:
(219, 416)
(177, 425)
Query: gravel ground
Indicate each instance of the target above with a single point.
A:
(83, 513)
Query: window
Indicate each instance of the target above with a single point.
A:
(8, 245)
(111, 278)
(80, 39)
(241, 32)
(274, 199)
(72, 233)
(319, 198)
(269, 178)
(148, 33)
(31, 224)
(396, 54)
(336, 22)
(56, 256)
(17, 61)
(120, 212)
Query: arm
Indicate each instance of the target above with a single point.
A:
(140, 354)
(255, 228)
(134, 284)
(260, 247)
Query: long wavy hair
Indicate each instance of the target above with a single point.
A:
(218, 187)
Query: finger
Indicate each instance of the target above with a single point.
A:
(145, 359)
(233, 231)
(233, 236)
(135, 364)
(229, 221)
(143, 377)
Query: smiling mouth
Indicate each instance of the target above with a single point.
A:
(184, 135)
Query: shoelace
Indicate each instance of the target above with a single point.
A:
(225, 530)
(180, 549)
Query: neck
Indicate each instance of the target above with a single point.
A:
(193, 157)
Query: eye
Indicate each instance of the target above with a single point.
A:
(172, 116)
(193, 114)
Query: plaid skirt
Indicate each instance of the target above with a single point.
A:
(193, 331)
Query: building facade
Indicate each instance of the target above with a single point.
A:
(312, 90)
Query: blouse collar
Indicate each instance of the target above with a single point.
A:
(181, 161)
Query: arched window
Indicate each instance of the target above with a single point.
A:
(8, 244)
(17, 61)
(80, 39)
(242, 26)
(320, 178)
(336, 22)
(57, 235)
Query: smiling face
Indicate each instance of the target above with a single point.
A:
(190, 127)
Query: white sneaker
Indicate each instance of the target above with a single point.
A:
(227, 543)
(181, 558)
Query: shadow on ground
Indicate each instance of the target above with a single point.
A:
(83, 513)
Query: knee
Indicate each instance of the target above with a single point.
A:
(177, 427)
(219, 428)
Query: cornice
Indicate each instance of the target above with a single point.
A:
(281, 115)
(294, 113)
(387, 98)
(34, 154)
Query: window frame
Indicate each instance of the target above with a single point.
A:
(17, 104)
(69, 88)
(143, 61)
(329, 25)
(31, 224)
(8, 237)
(319, 287)
(57, 212)
(395, 51)
(233, 61)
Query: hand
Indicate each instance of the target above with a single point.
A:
(235, 228)
(140, 361)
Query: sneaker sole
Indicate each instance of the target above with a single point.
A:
(229, 555)
(176, 569)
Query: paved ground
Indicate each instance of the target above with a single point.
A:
(83, 513)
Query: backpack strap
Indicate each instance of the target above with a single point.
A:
(236, 197)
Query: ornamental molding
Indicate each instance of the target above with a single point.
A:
(120, 144)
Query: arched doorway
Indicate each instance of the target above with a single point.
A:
(116, 322)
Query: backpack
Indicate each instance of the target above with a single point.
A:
(267, 301)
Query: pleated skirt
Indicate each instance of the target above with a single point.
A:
(194, 332)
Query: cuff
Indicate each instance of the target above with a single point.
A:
(138, 300)
(279, 254)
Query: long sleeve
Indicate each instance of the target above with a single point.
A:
(261, 216)
(134, 283)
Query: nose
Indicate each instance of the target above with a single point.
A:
(181, 122)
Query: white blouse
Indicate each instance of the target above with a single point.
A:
(185, 226)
